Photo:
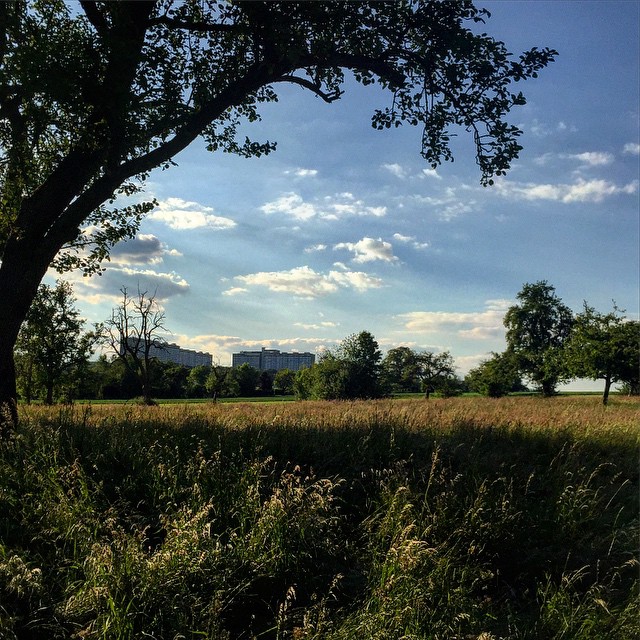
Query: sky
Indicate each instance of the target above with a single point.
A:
(344, 228)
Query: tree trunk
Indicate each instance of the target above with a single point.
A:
(8, 393)
(49, 398)
(21, 271)
(607, 388)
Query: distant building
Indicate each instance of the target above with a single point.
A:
(169, 352)
(273, 359)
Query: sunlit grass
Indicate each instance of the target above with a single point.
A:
(459, 518)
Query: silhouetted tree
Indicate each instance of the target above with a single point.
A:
(95, 95)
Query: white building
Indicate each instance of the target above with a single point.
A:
(169, 352)
(274, 359)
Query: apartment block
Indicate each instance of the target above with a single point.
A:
(274, 359)
(169, 352)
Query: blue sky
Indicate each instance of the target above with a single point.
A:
(345, 228)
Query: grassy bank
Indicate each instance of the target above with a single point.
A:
(454, 519)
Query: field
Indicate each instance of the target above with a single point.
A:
(463, 518)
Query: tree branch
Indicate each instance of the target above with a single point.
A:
(315, 88)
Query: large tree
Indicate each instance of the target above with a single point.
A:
(51, 343)
(604, 346)
(538, 328)
(96, 94)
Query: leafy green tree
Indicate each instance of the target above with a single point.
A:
(400, 370)
(537, 330)
(360, 357)
(196, 383)
(95, 95)
(350, 371)
(604, 346)
(221, 383)
(284, 381)
(495, 377)
(247, 379)
(51, 344)
(436, 371)
(265, 382)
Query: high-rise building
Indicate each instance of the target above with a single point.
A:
(274, 359)
(169, 352)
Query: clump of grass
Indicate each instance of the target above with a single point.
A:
(461, 518)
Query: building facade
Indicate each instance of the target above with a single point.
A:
(169, 352)
(274, 359)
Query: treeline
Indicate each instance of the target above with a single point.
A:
(547, 345)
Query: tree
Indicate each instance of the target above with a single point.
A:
(495, 377)
(604, 347)
(95, 96)
(537, 330)
(196, 383)
(350, 371)
(247, 379)
(133, 332)
(51, 343)
(219, 380)
(400, 370)
(284, 381)
(360, 357)
(435, 370)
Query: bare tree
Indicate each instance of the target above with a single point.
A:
(132, 334)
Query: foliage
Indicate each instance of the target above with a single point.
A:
(495, 377)
(400, 371)
(351, 371)
(246, 378)
(94, 97)
(604, 346)
(460, 518)
(284, 381)
(537, 330)
(52, 349)
(436, 371)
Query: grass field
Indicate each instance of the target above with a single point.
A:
(464, 518)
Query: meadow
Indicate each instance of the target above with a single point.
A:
(461, 519)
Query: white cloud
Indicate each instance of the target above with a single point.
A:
(592, 158)
(632, 148)
(106, 288)
(303, 173)
(182, 214)
(395, 169)
(331, 208)
(481, 325)
(368, 250)
(411, 240)
(581, 191)
(316, 326)
(307, 283)
(431, 173)
(542, 129)
(235, 291)
(316, 247)
(291, 204)
(586, 159)
(448, 205)
(143, 249)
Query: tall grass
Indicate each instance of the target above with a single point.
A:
(450, 519)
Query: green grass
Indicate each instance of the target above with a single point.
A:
(452, 519)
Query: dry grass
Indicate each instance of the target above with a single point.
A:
(449, 519)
